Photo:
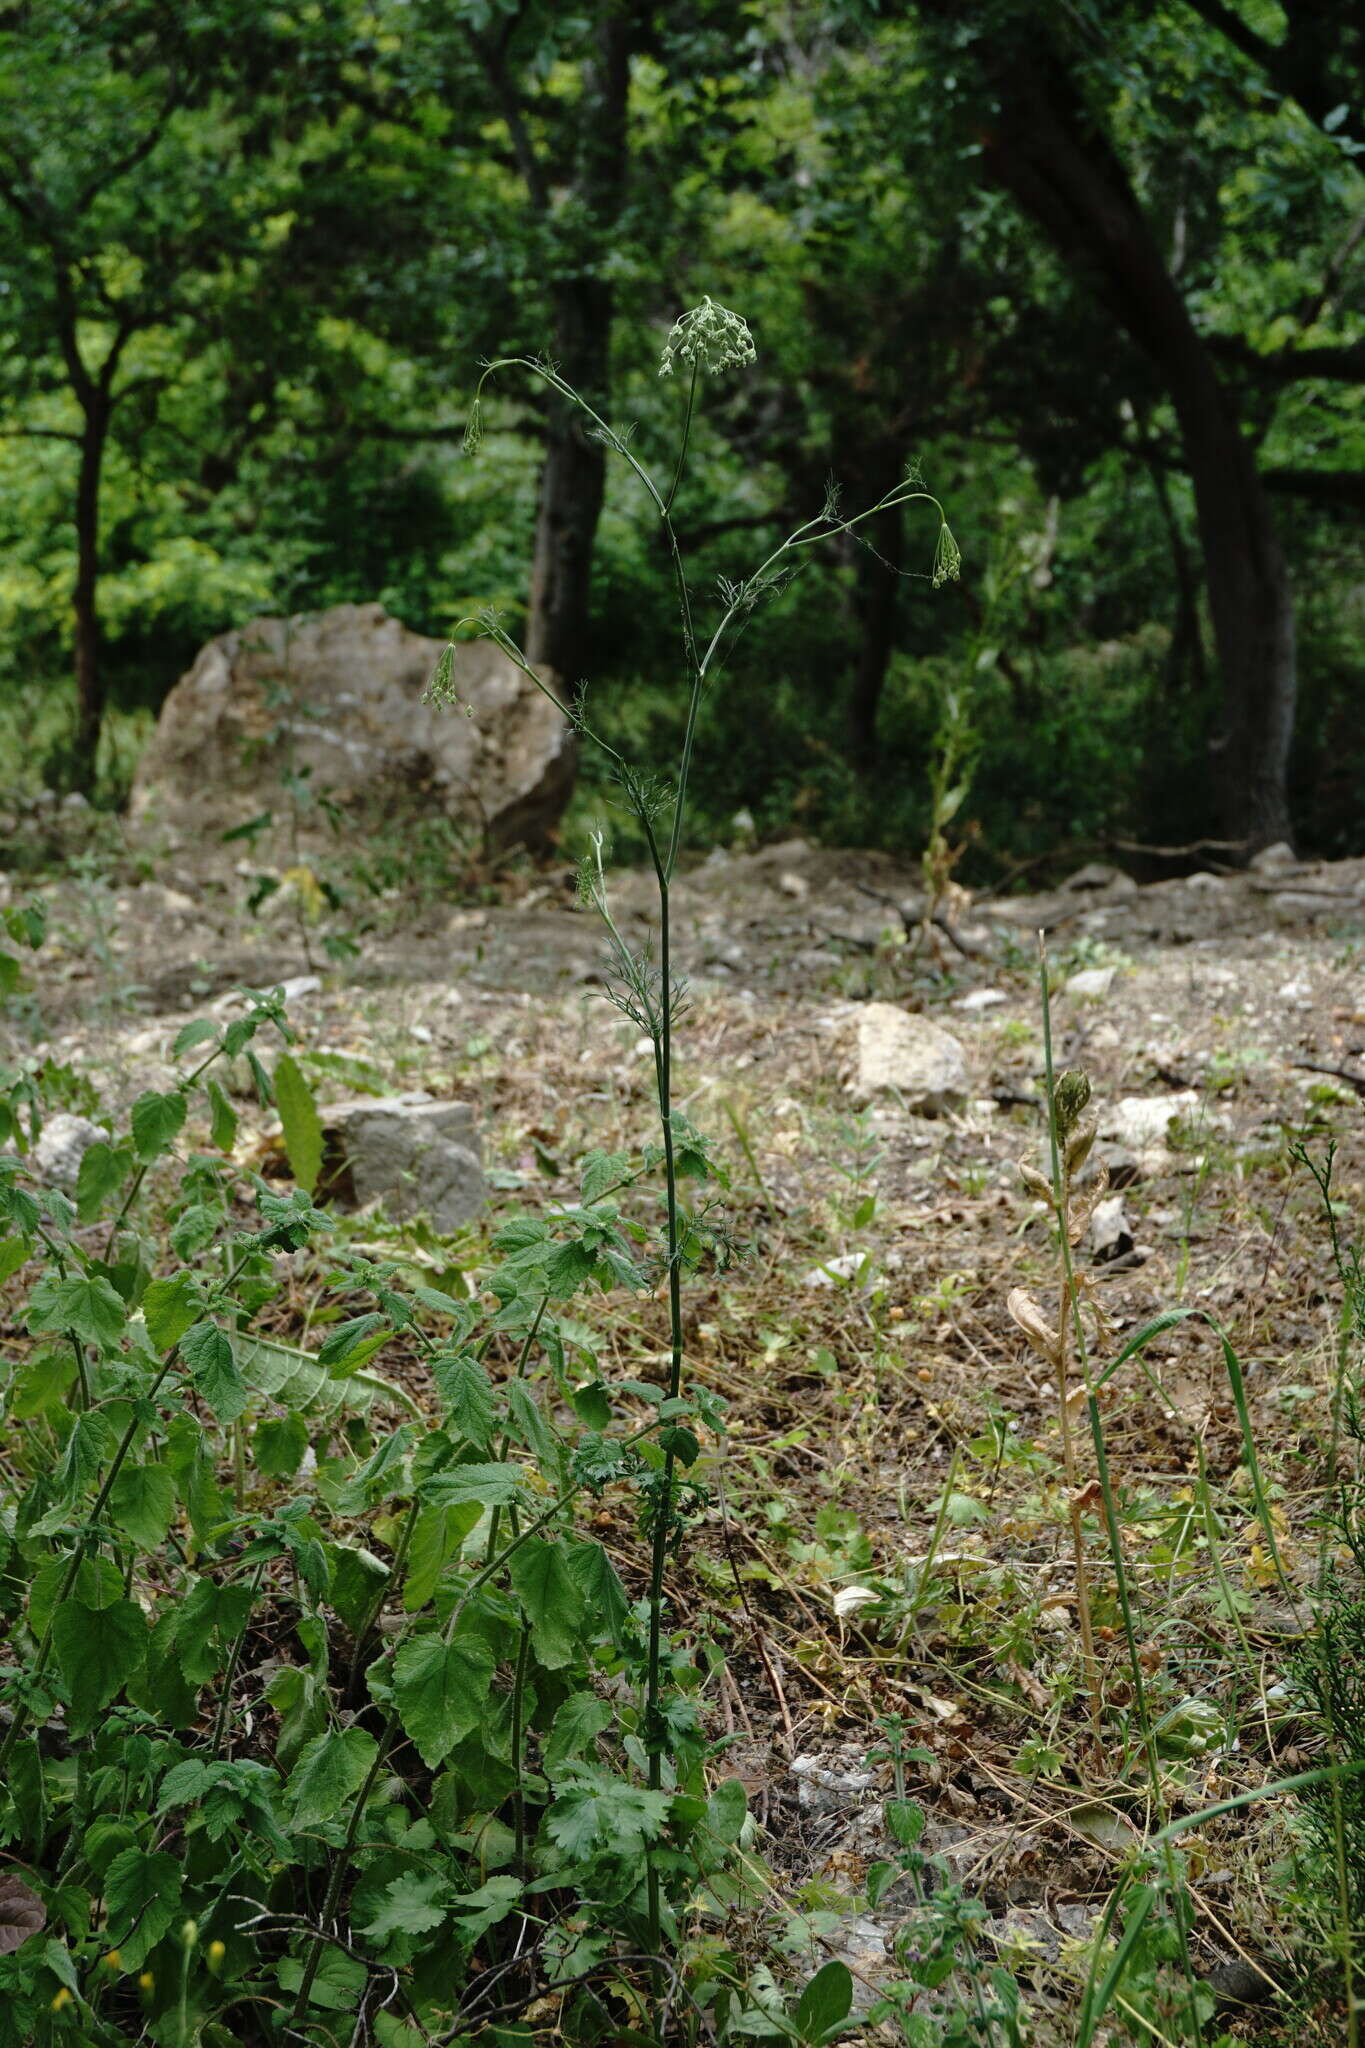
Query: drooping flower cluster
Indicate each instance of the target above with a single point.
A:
(710, 338)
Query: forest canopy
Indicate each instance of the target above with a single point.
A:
(1095, 273)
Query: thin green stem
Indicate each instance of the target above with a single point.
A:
(234, 1659)
(682, 448)
(518, 1734)
(400, 1555)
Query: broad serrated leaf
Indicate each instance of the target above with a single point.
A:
(475, 1912)
(493, 1486)
(726, 1811)
(142, 1503)
(101, 1173)
(278, 1446)
(352, 1344)
(603, 1812)
(299, 1117)
(330, 1771)
(90, 1443)
(551, 1599)
(467, 1393)
(338, 1985)
(529, 1424)
(198, 1032)
(190, 1460)
(170, 1307)
(413, 1904)
(575, 1728)
(606, 1610)
(141, 1896)
(436, 1536)
(212, 1364)
(569, 1266)
(223, 1126)
(383, 1474)
(440, 1689)
(825, 2003)
(156, 1121)
(97, 1651)
(89, 1306)
(600, 1171)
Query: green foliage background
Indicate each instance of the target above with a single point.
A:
(289, 436)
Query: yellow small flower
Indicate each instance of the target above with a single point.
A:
(113, 1961)
(215, 1952)
(62, 2000)
(146, 1982)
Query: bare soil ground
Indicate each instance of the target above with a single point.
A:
(883, 1404)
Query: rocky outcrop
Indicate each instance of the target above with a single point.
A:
(337, 697)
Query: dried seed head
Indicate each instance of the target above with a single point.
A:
(1025, 1312)
(1069, 1097)
(1036, 1183)
(1079, 1143)
(711, 338)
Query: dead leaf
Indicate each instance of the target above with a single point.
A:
(22, 1913)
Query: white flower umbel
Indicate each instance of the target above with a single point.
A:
(709, 338)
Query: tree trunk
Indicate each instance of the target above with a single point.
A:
(572, 485)
(878, 588)
(85, 607)
(573, 479)
(1044, 148)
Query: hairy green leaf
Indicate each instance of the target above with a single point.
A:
(299, 1116)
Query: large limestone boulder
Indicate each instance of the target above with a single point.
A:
(339, 695)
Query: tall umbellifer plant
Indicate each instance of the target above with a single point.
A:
(707, 341)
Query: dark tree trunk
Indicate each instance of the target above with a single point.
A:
(572, 486)
(573, 480)
(1045, 150)
(878, 591)
(85, 607)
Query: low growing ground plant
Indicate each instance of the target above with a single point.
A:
(324, 1715)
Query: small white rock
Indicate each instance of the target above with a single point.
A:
(981, 999)
(1144, 1120)
(62, 1144)
(1091, 984)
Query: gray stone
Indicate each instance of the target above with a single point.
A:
(62, 1144)
(1097, 874)
(1298, 903)
(415, 1155)
(910, 1057)
(822, 1790)
(340, 694)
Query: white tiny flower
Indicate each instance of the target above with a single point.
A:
(709, 337)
